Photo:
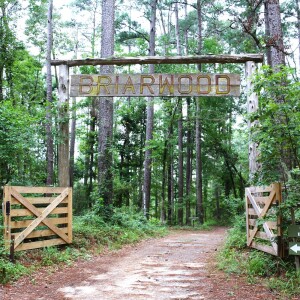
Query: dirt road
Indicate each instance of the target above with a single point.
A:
(179, 266)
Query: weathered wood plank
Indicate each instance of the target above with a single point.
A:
(155, 85)
(252, 222)
(26, 212)
(38, 200)
(262, 235)
(44, 233)
(247, 203)
(251, 212)
(26, 223)
(40, 244)
(261, 200)
(272, 225)
(264, 248)
(70, 216)
(261, 189)
(140, 60)
(38, 190)
(7, 218)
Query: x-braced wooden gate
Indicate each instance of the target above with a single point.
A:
(42, 218)
(263, 221)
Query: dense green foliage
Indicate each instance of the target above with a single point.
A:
(277, 133)
(273, 272)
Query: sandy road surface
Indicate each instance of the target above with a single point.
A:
(179, 266)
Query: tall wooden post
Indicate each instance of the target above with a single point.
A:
(63, 124)
(252, 106)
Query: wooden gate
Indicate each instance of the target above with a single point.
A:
(263, 222)
(42, 218)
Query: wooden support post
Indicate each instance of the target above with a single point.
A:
(12, 249)
(7, 217)
(63, 142)
(252, 106)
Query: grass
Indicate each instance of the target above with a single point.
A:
(235, 258)
(91, 235)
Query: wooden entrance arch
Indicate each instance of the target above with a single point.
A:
(250, 61)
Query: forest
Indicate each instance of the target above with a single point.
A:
(173, 158)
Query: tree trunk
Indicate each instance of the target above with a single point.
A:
(180, 130)
(163, 183)
(252, 106)
(105, 111)
(73, 124)
(274, 34)
(186, 40)
(170, 182)
(177, 29)
(150, 119)
(199, 17)
(72, 142)
(63, 124)
(49, 136)
(199, 198)
(180, 164)
(91, 148)
(188, 163)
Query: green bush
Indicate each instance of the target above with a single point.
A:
(10, 271)
(236, 258)
(237, 234)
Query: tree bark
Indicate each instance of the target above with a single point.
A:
(199, 198)
(188, 163)
(170, 182)
(105, 109)
(143, 60)
(150, 119)
(252, 106)
(63, 124)
(49, 136)
(180, 165)
(72, 142)
(199, 193)
(274, 34)
(186, 40)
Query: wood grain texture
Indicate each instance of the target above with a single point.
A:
(141, 60)
(155, 85)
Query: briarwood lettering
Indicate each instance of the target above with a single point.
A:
(155, 85)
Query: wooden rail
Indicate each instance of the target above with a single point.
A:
(140, 60)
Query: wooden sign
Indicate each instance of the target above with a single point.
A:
(155, 85)
(294, 248)
(294, 231)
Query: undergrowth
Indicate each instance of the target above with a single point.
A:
(91, 234)
(235, 258)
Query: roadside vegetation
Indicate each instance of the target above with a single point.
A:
(276, 274)
(92, 234)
